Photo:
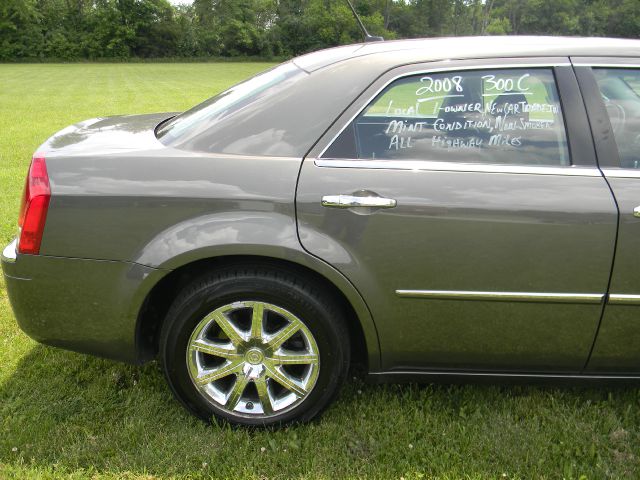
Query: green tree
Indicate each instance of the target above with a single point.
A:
(75, 29)
(20, 31)
(624, 18)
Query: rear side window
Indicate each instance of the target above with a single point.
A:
(199, 122)
(620, 89)
(510, 117)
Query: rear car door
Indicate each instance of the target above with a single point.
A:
(611, 88)
(463, 201)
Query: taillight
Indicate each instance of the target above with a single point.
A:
(35, 203)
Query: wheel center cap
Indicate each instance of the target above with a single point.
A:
(254, 356)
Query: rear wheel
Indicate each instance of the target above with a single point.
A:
(255, 347)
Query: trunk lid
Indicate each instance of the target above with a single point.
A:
(104, 135)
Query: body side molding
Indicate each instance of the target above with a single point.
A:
(504, 296)
(623, 299)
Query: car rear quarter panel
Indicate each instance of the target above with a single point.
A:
(156, 212)
(122, 207)
(165, 209)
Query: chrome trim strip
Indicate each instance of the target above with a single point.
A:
(503, 296)
(621, 172)
(457, 167)
(452, 68)
(9, 253)
(453, 373)
(623, 299)
(606, 65)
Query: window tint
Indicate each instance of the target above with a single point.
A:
(492, 116)
(201, 117)
(620, 90)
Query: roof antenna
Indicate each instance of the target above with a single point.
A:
(367, 37)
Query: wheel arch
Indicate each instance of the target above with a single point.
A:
(364, 338)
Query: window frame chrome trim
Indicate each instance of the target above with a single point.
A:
(533, 297)
(429, 165)
(451, 68)
(606, 65)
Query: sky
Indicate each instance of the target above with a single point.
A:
(181, 2)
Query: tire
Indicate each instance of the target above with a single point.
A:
(255, 346)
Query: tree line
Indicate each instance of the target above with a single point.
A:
(125, 29)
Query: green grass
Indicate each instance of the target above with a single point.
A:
(66, 415)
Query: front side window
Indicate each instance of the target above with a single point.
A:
(510, 117)
(620, 89)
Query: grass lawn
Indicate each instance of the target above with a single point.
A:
(66, 415)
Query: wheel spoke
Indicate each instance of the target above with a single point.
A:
(246, 350)
(210, 348)
(263, 394)
(236, 391)
(257, 318)
(229, 329)
(218, 373)
(284, 357)
(285, 381)
(284, 334)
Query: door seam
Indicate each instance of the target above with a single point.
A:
(615, 245)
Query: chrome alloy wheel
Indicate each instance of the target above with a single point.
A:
(253, 359)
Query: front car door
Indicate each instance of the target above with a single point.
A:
(611, 87)
(463, 201)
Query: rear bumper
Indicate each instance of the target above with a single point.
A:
(88, 306)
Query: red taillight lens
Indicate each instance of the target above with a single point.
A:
(35, 203)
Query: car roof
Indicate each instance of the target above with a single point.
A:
(432, 49)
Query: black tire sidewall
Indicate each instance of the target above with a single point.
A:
(314, 310)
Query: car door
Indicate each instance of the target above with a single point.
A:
(463, 201)
(611, 87)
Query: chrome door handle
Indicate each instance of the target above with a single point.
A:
(350, 201)
(636, 211)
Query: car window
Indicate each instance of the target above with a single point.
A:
(510, 117)
(193, 122)
(620, 89)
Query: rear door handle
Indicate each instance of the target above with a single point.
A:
(351, 201)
